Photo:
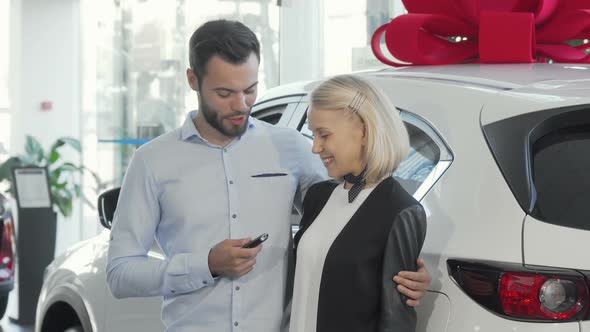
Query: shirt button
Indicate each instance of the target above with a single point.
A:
(234, 216)
(224, 150)
(173, 291)
(237, 287)
(231, 182)
(204, 282)
(235, 323)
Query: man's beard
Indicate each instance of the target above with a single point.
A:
(216, 121)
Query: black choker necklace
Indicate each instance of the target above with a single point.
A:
(358, 183)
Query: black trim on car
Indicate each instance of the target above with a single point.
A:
(6, 286)
(511, 142)
(107, 204)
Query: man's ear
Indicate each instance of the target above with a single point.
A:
(192, 79)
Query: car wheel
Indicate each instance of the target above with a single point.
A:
(3, 304)
(74, 329)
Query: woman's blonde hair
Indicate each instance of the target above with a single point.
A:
(387, 137)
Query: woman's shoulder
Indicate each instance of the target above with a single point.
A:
(394, 198)
(317, 195)
(400, 194)
(322, 187)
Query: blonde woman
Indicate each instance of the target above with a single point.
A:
(362, 228)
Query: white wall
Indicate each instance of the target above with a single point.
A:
(327, 37)
(45, 66)
(301, 41)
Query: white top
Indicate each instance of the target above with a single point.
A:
(311, 254)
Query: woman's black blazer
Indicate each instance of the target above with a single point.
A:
(383, 237)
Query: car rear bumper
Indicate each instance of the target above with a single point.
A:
(6, 286)
(468, 316)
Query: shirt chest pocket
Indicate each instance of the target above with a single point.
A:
(276, 187)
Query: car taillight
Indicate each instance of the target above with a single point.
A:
(518, 292)
(545, 297)
(7, 252)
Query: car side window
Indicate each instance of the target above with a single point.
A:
(271, 115)
(426, 161)
(422, 158)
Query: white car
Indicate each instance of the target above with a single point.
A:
(500, 159)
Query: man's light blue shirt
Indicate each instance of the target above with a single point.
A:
(190, 195)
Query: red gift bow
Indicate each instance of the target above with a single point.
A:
(491, 31)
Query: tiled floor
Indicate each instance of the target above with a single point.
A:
(5, 324)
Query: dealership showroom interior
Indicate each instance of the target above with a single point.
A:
(294, 165)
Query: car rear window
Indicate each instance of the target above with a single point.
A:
(545, 158)
(561, 177)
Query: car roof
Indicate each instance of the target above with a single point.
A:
(289, 89)
(501, 76)
(495, 76)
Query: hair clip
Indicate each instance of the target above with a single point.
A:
(357, 101)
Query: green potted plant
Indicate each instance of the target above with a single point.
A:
(37, 227)
(64, 184)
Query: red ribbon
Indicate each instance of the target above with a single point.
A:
(487, 31)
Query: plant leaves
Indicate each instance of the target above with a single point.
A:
(34, 151)
(58, 143)
(28, 160)
(63, 184)
(69, 168)
(54, 176)
(6, 168)
(74, 143)
(6, 172)
(67, 194)
(53, 156)
(77, 190)
(63, 202)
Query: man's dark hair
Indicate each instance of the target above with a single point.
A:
(231, 40)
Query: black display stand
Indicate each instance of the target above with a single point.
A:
(35, 238)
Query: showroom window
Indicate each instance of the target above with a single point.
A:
(135, 56)
(348, 31)
(4, 73)
(135, 59)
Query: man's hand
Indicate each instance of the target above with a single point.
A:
(414, 284)
(228, 259)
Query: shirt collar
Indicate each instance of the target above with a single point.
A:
(189, 130)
